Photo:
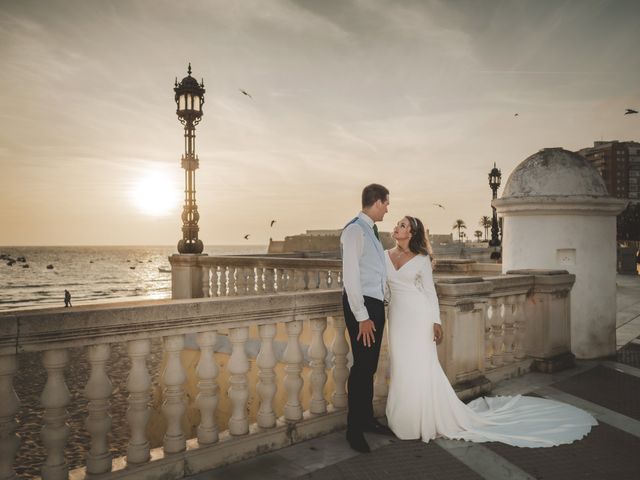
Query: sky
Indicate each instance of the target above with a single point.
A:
(419, 96)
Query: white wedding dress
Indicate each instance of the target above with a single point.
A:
(422, 402)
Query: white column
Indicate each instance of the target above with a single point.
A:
(340, 349)
(174, 405)
(9, 404)
(223, 281)
(318, 377)
(138, 384)
(98, 422)
(207, 398)
(266, 388)
(293, 380)
(238, 389)
(55, 398)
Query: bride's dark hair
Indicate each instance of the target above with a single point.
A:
(419, 243)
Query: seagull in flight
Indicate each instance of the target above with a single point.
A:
(244, 92)
(272, 222)
(246, 237)
(630, 111)
(438, 205)
(516, 115)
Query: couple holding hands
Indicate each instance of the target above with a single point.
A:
(421, 401)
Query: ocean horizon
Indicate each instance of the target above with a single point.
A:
(91, 273)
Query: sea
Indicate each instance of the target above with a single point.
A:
(91, 274)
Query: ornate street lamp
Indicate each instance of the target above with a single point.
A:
(189, 100)
(494, 182)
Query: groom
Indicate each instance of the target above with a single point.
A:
(364, 277)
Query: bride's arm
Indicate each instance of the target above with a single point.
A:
(428, 287)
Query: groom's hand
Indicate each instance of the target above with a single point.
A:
(366, 332)
(437, 333)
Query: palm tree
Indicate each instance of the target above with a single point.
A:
(459, 224)
(485, 222)
(478, 234)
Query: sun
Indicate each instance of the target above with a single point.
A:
(155, 195)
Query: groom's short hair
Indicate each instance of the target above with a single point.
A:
(372, 193)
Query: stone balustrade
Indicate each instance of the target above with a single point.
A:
(197, 276)
(283, 375)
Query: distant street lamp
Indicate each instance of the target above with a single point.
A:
(494, 182)
(189, 100)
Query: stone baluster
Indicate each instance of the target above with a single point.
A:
(174, 405)
(269, 280)
(215, 282)
(260, 280)
(250, 275)
(380, 385)
(238, 388)
(300, 280)
(223, 281)
(138, 384)
(340, 350)
(313, 279)
(98, 422)
(293, 380)
(497, 337)
(55, 398)
(206, 285)
(323, 279)
(340, 279)
(519, 351)
(207, 398)
(281, 280)
(509, 328)
(232, 281)
(9, 404)
(318, 376)
(266, 388)
(488, 346)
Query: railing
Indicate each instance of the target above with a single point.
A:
(247, 374)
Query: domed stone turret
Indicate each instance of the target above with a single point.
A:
(558, 216)
(555, 172)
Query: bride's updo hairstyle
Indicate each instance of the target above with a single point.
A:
(419, 243)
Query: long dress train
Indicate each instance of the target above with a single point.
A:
(422, 402)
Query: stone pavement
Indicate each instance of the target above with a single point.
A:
(608, 389)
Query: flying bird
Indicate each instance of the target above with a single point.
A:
(630, 111)
(272, 222)
(246, 237)
(244, 92)
(516, 115)
(438, 205)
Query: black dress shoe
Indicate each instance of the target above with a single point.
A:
(376, 427)
(357, 441)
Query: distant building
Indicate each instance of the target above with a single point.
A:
(619, 165)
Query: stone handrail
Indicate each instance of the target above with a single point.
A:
(222, 276)
(494, 327)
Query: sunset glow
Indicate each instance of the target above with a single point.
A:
(156, 195)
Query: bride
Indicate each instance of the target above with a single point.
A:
(421, 401)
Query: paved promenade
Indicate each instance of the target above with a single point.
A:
(608, 389)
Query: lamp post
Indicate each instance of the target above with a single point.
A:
(189, 97)
(494, 182)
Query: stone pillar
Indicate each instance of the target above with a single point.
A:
(462, 352)
(547, 319)
(186, 276)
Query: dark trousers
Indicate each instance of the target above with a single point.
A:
(365, 363)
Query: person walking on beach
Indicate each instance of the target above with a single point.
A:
(364, 278)
(67, 298)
